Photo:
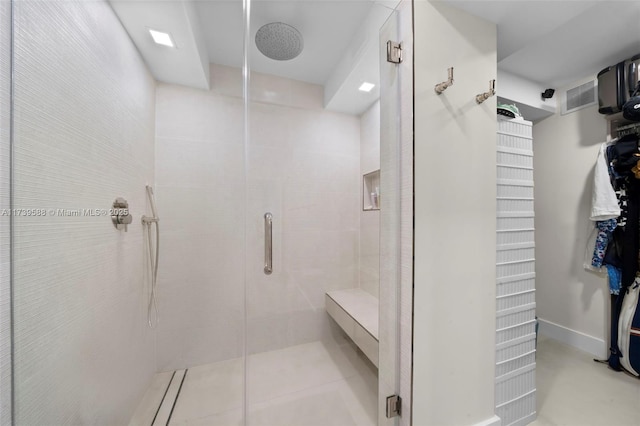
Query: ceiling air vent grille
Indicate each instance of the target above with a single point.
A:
(580, 97)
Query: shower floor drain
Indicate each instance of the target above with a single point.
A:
(170, 398)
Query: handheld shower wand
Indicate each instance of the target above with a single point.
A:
(153, 255)
(152, 201)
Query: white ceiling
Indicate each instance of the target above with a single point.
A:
(550, 42)
(326, 26)
(188, 63)
(558, 42)
(337, 35)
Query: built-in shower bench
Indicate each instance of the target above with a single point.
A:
(356, 312)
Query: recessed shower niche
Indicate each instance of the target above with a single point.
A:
(371, 191)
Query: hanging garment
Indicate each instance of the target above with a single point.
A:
(615, 279)
(621, 194)
(630, 243)
(588, 252)
(605, 233)
(629, 329)
(604, 204)
(622, 259)
(624, 155)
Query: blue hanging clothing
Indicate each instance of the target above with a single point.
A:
(615, 279)
(605, 229)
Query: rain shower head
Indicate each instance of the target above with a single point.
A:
(279, 41)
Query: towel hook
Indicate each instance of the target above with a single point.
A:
(441, 87)
(486, 95)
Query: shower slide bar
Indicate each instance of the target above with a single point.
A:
(153, 252)
(268, 243)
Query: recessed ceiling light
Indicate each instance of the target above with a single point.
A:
(366, 87)
(162, 38)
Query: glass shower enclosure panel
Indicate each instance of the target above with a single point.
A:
(312, 229)
(396, 128)
(276, 197)
(94, 125)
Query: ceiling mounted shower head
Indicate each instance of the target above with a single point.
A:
(279, 41)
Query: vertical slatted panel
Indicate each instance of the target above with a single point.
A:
(515, 271)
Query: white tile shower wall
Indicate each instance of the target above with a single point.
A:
(199, 192)
(370, 220)
(5, 175)
(84, 135)
(303, 168)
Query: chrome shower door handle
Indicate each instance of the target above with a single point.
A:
(268, 243)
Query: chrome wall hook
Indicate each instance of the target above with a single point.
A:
(441, 87)
(486, 95)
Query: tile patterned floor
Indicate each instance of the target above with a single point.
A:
(573, 390)
(314, 384)
(328, 385)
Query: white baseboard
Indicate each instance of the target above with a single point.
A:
(584, 342)
(493, 421)
(526, 420)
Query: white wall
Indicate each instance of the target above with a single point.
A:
(526, 94)
(520, 89)
(303, 167)
(5, 247)
(370, 220)
(84, 114)
(455, 219)
(572, 303)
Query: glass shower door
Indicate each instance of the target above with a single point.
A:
(313, 213)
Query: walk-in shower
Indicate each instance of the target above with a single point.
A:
(240, 317)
